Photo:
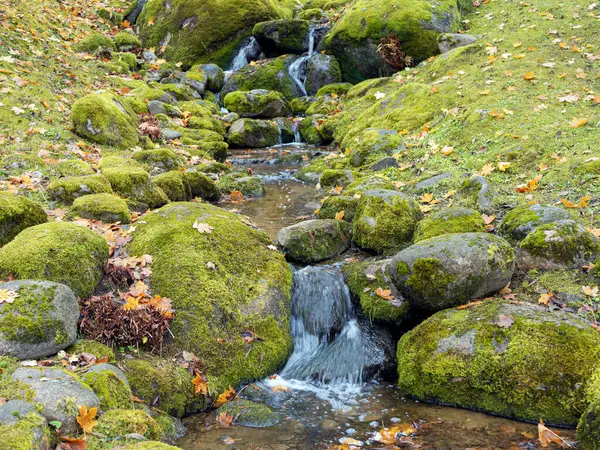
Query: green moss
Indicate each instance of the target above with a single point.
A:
(198, 110)
(200, 185)
(311, 14)
(250, 414)
(105, 119)
(138, 98)
(136, 186)
(315, 240)
(118, 425)
(371, 144)
(337, 203)
(110, 389)
(17, 213)
(105, 207)
(28, 433)
(118, 161)
(448, 221)
(125, 40)
(253, 133)
(93, 42)
(148, 445)
(300, 105)
(95, 348)
(364, 279)
(128, 59)
(334, 88)
(282, 36)
(252, 104)
(272, 74)
(172, 185)
(588, 429)
(161, 159)
(74, 168)
(68, 189)
(164, 384)
(333, 178)
(520, 221)
(180, 92)
(463, 358)
(117, 67)
(250, 289)
(207, 123)
(249, 186)
(429, 277)
(309, 129)
(61, 252)
(11, 389)
(385, 221)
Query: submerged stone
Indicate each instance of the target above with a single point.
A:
(246, 413)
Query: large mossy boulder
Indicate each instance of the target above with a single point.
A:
(105, 119)
(111, 386)
(372, 144)
(314, 240)
(520, 221)
(224, 280)
(119, 423)
(18, 212)
(448, 221)
(22, 428)
(136, 186)
(385, 220)
(253, 133)
(203, 30)
(107, 208)
(588, 428)
(336, 204)
(93, 43)
(270, 74)
(215, 77)
(258, 103)
(280, 37)
(565, 244)
(58, 251)
(159, 160)
(355, 37)
(58, 394)
(513, 360)
(68, 189)
(40, 320)
(452, 269)
(321, 70)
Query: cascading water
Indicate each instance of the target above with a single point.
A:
(330, 350)
(298, 68)
(297, 135)
(247, 53)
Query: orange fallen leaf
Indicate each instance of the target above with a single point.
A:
(528, 76)
(236, 196)
(531, 185)
(224, 420)
(200, 383)
(547, 437)
(470, 304)
(545, 298)
(227, 395)
(385, 294)
(280, 389)
(576, 123)
(85, 419)
(339, 215)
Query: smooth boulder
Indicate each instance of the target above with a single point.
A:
(522, 220)
(280, 37)
(321, 70)
(448, 221)
(453, 269)
(253, 133)
(314, 240)
(18, 212)
(258, 103)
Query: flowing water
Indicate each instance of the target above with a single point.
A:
(249, 52)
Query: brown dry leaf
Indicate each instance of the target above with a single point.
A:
(470, 304)
(200, 383)
(547, 437)
(590, 291)
(505, 321)
(203, 227)
(426, 198)
(385, 294)
(279, 388)
(545, 298)
(85, 419)
(224, 420)
(339, 215)
(69, 443)
(227, 395)
(488, 220)
(8, 296)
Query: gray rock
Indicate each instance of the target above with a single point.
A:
(12, 410)
(169, 134)
(135, 12)
(99, 368)
(432, 181)
(253, 133)
(452, 269)
(315, 240)
(59, 393)
(450, 41)
(258, 103)
(286, 129)
(484, 191)
(565, 244)
(279, 37)
(249, 414)
(321, 70)
(197, 86)
(215, 77)
(155, 107)
(384, 163)
(40, 322)
(521, 221)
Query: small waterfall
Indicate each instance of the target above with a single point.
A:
(247, 53)
(279, 134)
(298, 68)
(297, 135)
(328, 342)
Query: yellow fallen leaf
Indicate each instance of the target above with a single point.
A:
(576, 123)
(528, 76)
(339, 215)
(502, 166)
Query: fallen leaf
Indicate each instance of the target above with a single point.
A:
(339, 215)
(227, 395)
(280, 388)
(505, 321)
(590, 291)
(203, 227)
(545, 298)
(576, 123)
(547, 437)
(8, 296)
(502, 166)
(385, 294)
(200, 383)
(224, 420)
(528, 76)
(426, 198)
(85, 419)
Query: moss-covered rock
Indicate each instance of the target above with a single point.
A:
(180, 91)
(158, 161)
(110, 385)
(364, 279)
(105, 119)
(588, 428)
(453, 269)
(222, 284)
(136, 186)
(448, 221)
(74, 168)
(40, 321)
(321, 70)
(334, 88)
(363, 185)
(215, 77)
(17, 212)
(104, 207)
(125, 41)
(312, 14)
(249, 186)
(495, 358)
(246, 413)
(172, 185)
(564, 244)
(253, 133)
(93, 43)
(61, 252)
(385, 220)
(198, 184)
(118, 423)
(417, 23)
(270, 74)
(139, 98)
(520, 221)
(314, 240)
(280, 37)
(163, 383)
(68, 189)
(119, 161)
(98, 349)
(207, 123)
(310, 130)
(301, 104)
(29, 432)
(336, 177)
(257, 103)
(128, 59)
(336, 204)
(196, 31)
(372, 144)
